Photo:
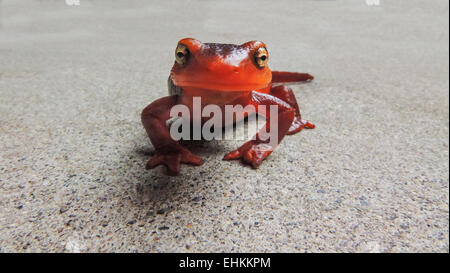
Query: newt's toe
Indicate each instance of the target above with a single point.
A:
(251, 153)
(299, 124)
(173, 160)
(232, 155)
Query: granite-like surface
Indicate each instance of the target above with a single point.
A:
(373, 175)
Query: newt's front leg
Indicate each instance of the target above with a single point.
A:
(168, 151)
(256, 150)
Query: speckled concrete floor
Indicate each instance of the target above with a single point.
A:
(373, 175)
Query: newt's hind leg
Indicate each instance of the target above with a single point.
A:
(285, 93)
(290, 77)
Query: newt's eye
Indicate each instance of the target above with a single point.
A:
(181, 54)
(261, 57)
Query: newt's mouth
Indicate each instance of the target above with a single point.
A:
(222, 86)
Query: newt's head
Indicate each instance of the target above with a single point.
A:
(222, 67)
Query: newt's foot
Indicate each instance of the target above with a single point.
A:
(173, 159)
(252, 153)
(298, 124)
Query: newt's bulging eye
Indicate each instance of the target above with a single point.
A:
(261, 57)
(181, 54)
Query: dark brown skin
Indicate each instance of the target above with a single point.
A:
(223, 74)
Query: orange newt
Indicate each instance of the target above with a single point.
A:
(223, 74)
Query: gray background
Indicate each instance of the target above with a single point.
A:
(373, 175)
